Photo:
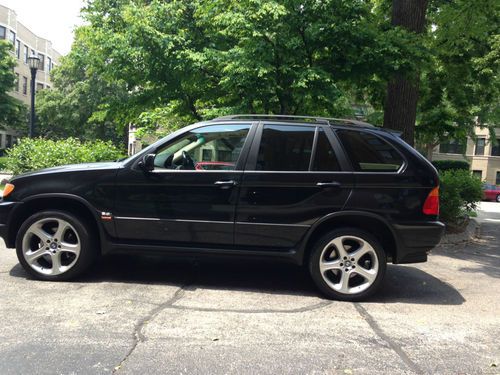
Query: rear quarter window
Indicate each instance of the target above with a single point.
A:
(370, 153)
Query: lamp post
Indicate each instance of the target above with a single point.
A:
(34, 64)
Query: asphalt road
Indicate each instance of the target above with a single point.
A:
(144, 315)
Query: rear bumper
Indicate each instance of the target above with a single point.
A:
(415, 240)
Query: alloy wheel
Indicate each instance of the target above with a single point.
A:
(51, 246)
(349, 264)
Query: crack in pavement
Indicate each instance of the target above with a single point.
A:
(255, 311)
(138, 335)
(380, 333)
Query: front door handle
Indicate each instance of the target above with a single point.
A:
(225, 184)
(328, 184)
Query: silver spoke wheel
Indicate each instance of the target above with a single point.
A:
(51, 246)
(349, 264)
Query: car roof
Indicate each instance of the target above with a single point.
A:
(304, 120)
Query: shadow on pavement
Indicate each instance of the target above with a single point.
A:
(485, 252)
(403, 284)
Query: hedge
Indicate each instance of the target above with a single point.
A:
(459, 194)
(32, 154)
(447, 165)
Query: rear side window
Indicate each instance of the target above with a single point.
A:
(370, 153)
(324, 158)
(285, 148)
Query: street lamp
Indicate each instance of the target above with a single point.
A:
(34, 64)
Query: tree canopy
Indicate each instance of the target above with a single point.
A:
(162, 64)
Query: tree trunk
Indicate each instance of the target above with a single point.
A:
(400, 110)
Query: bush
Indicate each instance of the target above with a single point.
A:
(3, 163)
(459, 194)
(448, 165)
(32, 154)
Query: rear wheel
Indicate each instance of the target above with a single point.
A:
(55, 245)
(347, 264)
(498, 198)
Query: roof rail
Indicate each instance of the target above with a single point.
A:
(274, 117)
(314, 119)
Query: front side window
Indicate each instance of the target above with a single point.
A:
(285, 148)
(370, 153)
(213, 147)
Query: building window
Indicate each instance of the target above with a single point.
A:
(478, 174)
(42, 61)
(49, 64)
(8, 141)
(2, 32)
(480, 143)
(452, 147)
(25, 57)
(12, 37)
(16, 85)
(495, 150)
(25, 85)
(18, 49)
(39, 86)
(498, 178)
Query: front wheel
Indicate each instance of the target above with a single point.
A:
(347, 264)
(55, 245)
(498, 198)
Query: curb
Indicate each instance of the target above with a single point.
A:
(471, 232)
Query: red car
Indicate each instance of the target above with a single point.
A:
(491, 192)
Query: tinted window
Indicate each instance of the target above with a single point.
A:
(370, 153)
(285, 148)
(324, 159)
(214, 147)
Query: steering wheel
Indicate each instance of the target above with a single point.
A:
(187, 161)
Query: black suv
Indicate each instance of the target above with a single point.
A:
(339, 196)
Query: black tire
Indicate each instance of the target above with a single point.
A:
(498, 198)
(87, 239)
(379, 265)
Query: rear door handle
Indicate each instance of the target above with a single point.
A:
(328, 184)
(225, 184)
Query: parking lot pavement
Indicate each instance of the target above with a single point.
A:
(156, 315)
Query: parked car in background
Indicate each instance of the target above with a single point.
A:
(341, 197)
(491, 192)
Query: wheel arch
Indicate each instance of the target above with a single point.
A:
(63, 202)
(369, 222)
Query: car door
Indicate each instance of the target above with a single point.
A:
(190, 195)
(295, 174)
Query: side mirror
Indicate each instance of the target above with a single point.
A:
(148, 162)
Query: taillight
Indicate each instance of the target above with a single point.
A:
(431, 204)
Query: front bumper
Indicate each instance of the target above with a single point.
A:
(6, 209)
(416, 240)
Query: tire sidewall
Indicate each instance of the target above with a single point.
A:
(314, 261)
(88, 251)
